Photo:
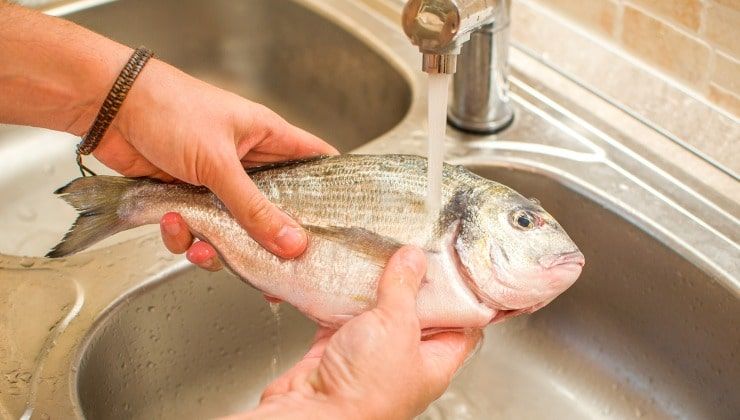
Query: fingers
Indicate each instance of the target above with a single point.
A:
(323, 333)
(204, 256)
(177, 238)
(444, 353)
(400, 281)
(296, 377)
(264, 222)
(175, 233)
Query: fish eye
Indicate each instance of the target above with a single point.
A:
(523, 220)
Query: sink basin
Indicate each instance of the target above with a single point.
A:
(130, 331)
(280, 53)
(284, 54)
(195, 345)
(642, 332)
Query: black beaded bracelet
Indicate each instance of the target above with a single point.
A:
(111, 105)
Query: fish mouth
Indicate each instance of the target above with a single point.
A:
(565, 266)
(574, 259)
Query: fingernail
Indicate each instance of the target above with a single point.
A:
(172, 228)
(199, 253)
(290, 238)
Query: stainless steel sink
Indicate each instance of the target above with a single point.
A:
(129, 331)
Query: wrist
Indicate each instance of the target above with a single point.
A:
(150, 88)
(53, 73)
(100, 74)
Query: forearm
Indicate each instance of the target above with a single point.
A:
(53, 73)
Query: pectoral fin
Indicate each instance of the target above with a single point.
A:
(376, 248)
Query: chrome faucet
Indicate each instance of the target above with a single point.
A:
(478, 32)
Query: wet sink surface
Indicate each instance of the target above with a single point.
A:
(642, 333)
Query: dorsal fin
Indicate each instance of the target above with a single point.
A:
(285, 164)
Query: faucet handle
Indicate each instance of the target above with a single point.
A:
(442, 26)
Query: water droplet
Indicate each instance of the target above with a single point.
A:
(27, 262)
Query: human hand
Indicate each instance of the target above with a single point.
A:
(55, 74)
(376, 366)
(173, 126)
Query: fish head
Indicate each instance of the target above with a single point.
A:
(515, 255)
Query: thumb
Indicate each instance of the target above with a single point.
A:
(400, 281)
(444, 353)
(264, 222)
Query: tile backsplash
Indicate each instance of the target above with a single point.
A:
(695, 42)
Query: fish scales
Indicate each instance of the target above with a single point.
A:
(358, 195)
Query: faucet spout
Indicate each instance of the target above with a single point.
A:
(439, 63)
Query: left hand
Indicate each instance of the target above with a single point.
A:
(376, 366)
(175, 127)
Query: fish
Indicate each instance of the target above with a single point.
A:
(491, 253)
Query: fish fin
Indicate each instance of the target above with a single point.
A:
(376, 247)
(284, 164)
(96, 199)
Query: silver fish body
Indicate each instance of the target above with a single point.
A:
(358, 209)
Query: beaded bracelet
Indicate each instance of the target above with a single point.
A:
(111, 105)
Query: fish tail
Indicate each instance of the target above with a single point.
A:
(97, 200)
